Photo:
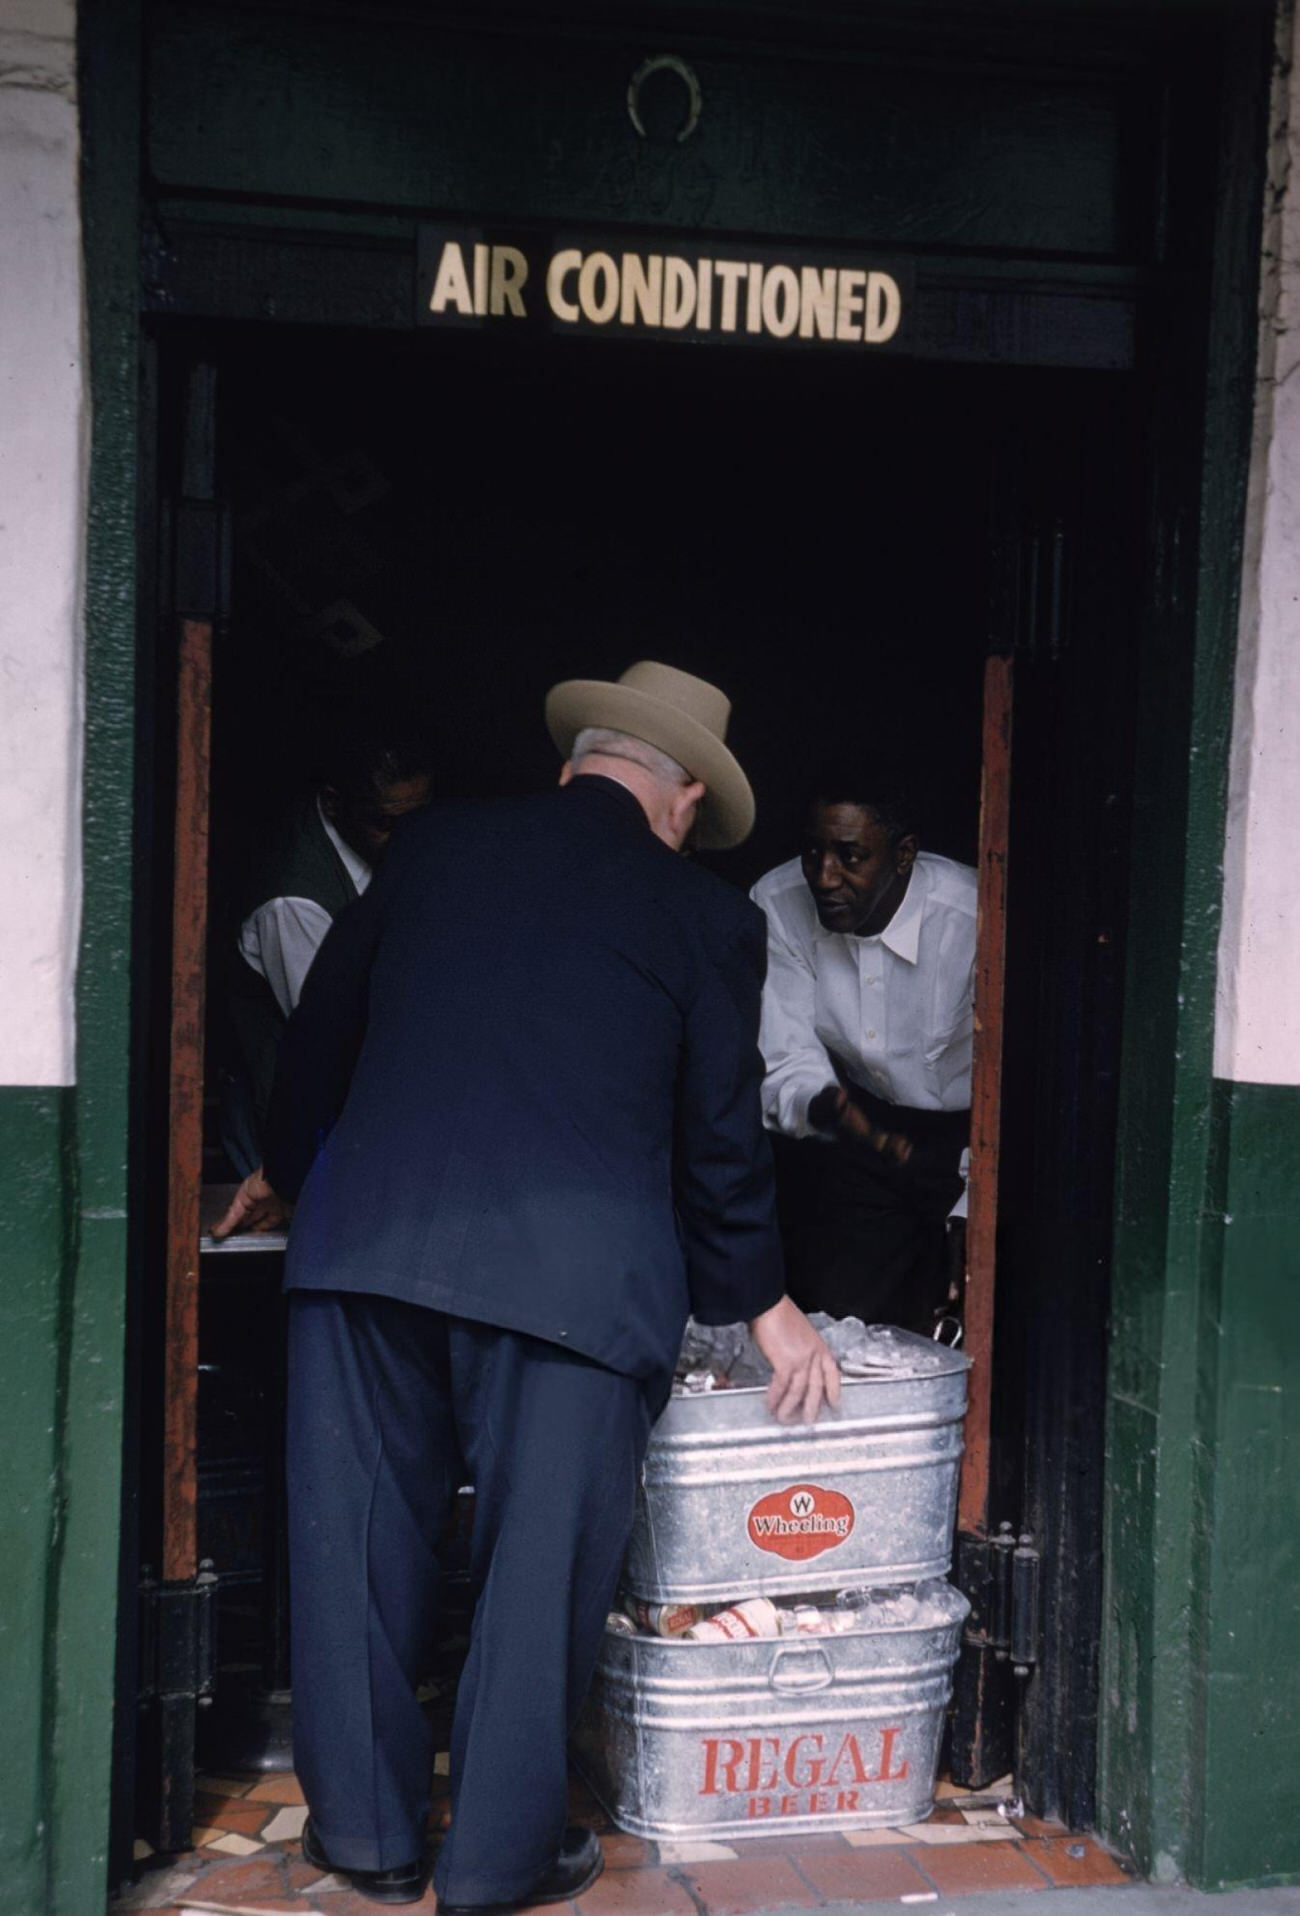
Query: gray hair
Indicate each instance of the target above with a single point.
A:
(599, 739)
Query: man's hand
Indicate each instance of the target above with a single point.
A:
(834, 1110)
(803, 1370)
(254, 1207)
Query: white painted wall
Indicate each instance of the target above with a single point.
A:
(1257, 1023)
(43, 426)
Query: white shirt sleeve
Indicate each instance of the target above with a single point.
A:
(280, 941)
(798, 1066)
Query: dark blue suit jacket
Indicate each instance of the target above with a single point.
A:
(522, 1084)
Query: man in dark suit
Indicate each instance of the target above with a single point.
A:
(520, 1100)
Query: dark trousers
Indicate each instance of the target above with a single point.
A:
(384, 1398)
(866, 1237)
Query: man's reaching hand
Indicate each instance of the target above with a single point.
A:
(834, 1110)
(254, 1207)
(803, 1369)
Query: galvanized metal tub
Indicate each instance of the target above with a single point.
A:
(805, 1733)
(732, 1503)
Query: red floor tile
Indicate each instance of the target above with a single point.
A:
(1092, 1865)
(299, 1875)
(863, 1875)
(636, 1892)
(967, 1868)
(732, 1889)
(795, 1846)
(283, 1787)
(799, 1871)
(626, 1852)
(1036, 1826)
(251, 1879)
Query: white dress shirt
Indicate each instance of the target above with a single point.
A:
(281, 938)
(894, 1010)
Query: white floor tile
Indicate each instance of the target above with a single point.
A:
(698, 1851)
(231, 1843)
(286, 1825)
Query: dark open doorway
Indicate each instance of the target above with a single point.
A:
(487, 518)
(446, 526)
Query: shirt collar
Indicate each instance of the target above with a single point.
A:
(353, 863)
(903, 932)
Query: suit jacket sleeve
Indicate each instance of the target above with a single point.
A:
(724, 1186)
(321, 1042)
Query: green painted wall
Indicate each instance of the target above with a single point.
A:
(82, 1647)
(1201, 1701)
(34, 1278)
(1169, 1759)
(63, 1192)
(1249, 1689)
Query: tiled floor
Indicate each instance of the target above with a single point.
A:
(247, 1862)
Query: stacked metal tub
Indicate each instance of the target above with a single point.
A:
(814, 1732)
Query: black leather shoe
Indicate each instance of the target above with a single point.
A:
(406, 1884)
(579, 1863)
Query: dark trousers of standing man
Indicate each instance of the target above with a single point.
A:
(865, 1236)
(384, 1397)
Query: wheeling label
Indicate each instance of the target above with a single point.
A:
(800, 1522)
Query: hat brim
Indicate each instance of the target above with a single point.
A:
(726, 815)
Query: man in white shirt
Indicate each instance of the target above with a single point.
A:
(866, 1035)
(317, 860)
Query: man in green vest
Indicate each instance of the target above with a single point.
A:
(318, 859)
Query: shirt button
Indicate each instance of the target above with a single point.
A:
(871, 1034)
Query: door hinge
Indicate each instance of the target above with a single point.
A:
(178, 1637)
(1000, 1577)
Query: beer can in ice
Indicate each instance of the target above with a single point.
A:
(662, 1619)
(805, 1620)
(755, 1617)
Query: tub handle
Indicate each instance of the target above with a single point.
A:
(796, 1671)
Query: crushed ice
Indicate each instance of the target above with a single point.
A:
(725, 1356)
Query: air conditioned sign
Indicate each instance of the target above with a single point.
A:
(665, 288)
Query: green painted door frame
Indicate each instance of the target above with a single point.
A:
(1160, 1754)
(1188, 1787)
(63, 1239)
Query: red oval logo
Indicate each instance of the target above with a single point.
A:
(800, 1522)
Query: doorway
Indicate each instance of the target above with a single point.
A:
(445, 526)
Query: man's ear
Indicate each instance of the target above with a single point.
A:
(566, 771)
(330, 802)
(682, 811)
(905, 851)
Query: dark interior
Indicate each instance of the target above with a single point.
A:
(442, 527)
(809, 530)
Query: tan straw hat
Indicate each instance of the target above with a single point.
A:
(685, 717)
